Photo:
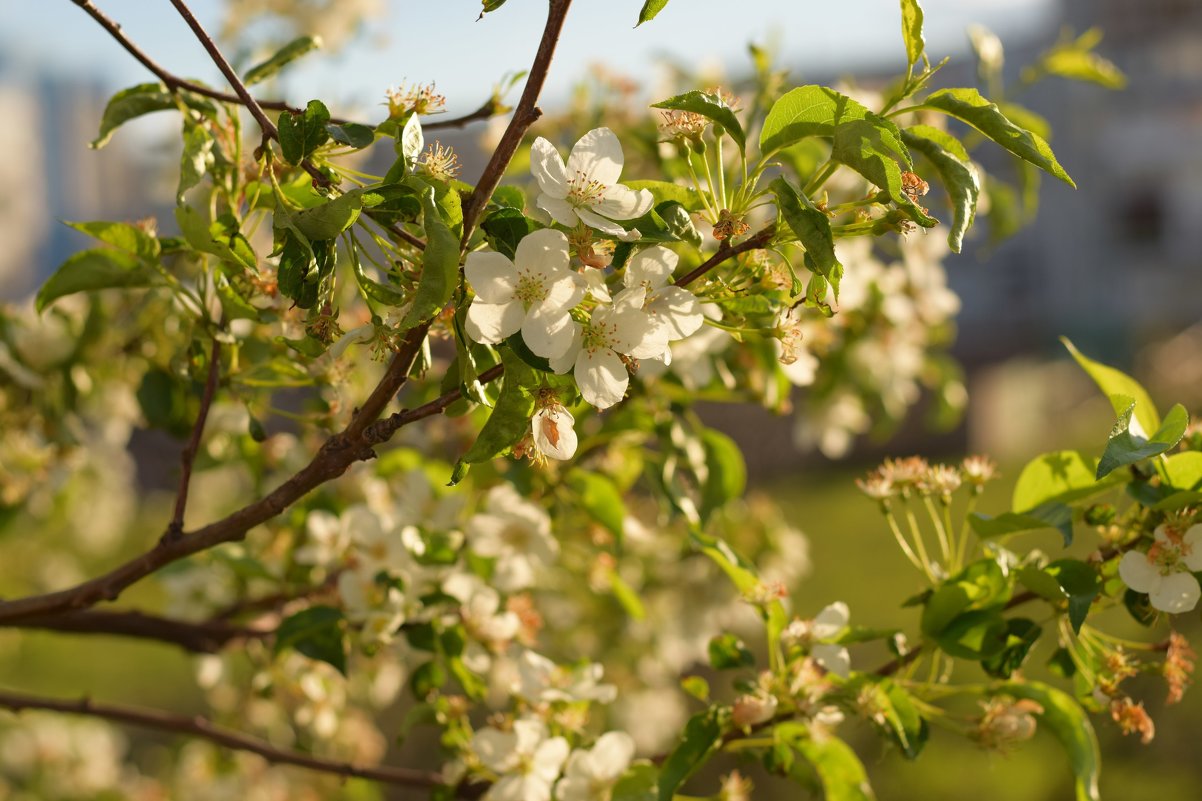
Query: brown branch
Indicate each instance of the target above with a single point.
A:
(176, 527)
(228, 738)
(273, 602)
(204, 637)
(206, 41)
(524, 115)
(759, 240)
(490, 108)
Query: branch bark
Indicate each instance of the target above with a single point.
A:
(228, 738)
(176, 527)
(205, 637)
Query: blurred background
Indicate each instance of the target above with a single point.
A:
(1116, 265)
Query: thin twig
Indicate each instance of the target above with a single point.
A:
(525, 114)
(205, 637)
(759, 240)
(206, 41)
(273, 602)
(188, 456)
(207, 730)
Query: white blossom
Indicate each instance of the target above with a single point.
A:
(527, 761)
(672, 308)
(591, 774)
(1163, 572)
(819, 635)
(586, 189)
(516, 533)
(533, 294)
(540, 679)
(554, 435)
(613, 332)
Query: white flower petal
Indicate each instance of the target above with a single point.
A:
(497, 749)
(490, 323)
(544, 252)
(623, 203)
(1137, 572)
(595, 280)
(554, 434)
(566, 290)
(548, 168)
(564, 363)
(601, 224)
(1192, 551)
(832, 657)
(560, 210)
(611, 755)
(549, 758)
(653, 266)
(677, 308)
(831, 620)
(601, 377)
(1175, 593)
(492, 276)
(598, 155)
(548, 332)
(630, 298)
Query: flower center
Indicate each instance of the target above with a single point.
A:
(598, 336)
(516, 535)
(1164, 556)
(530, 289)
(585, 191)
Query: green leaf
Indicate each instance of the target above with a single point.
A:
(1183, 471)
(216, 238)
(123, 236)
(662, 191)
(959, 178)
(701, 738)
(979, 586)
(626, 596)
(870, 147)
(1067, 722)
(649, 10)
(330, 219)
(839, 770)
(440, 266)
(1059, 477)
(142, 99)
(351, 134)
(284, 56)
(196, 159)
(728, 651)
(489, 5)
(510, 418)
(727, 476)
(302, 133)
(678, 222)
(639, 782)
(163, 400)
(1020, 636)
(504, 228)
(812, 228)
(1049, 515)
(371, 288)
(710, 106)
(1080, 584)
(911, 13)
(1115, 382)
(894, 711)
(807, 111)
(600, 498)
(969, 107)
(1075, 60)
(1124, 448)
(316, 632)
(90, 270)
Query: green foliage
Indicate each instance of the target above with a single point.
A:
(950, 161)
(812, 228)
(91, 270)
(302, 133)
(510, 418)
(701, 737)
(912, 18)
(317, 632)
(145, 98)
(1066, 721)
(710, 106)
(1125, 447)
(650, 9)
(281, 58)
(1114, 383)
(440, 266)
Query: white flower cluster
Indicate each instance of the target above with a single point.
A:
(572, 321)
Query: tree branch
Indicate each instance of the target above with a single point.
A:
(176, 527)
(524, 115)
(273, 602)
(759, 240)
(205, 637)
(206, 730)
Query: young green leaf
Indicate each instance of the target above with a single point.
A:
(727, 472)
(440, 266)
(649, 10)
(701, 737)
(911, 13)
(812, 228)
(316, 632)
(302, 133)
(840, 771)
(196, 159)
(806, 111)
(122, 236)
(601, 499)
(1115, 382)
(1060, 477)
(968, 106)
(662, 191)
(351, 134)
(144, 98)
(510, 418)
(1124, 447)
(710, 106)
(959, 178)
(333, 217)
(90, 270)
(1074, 59)
(282, 57)
(870, 147)
(1054, 515)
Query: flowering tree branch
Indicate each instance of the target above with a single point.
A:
(206, 730)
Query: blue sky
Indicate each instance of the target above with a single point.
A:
(418, 37)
